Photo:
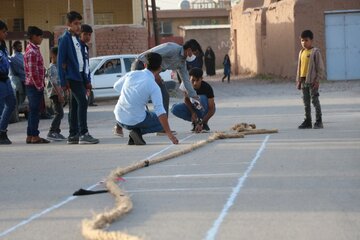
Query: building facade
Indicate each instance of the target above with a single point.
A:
(215, 36)
(116, 23)
(265, 36)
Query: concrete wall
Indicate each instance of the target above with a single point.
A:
(116, 39)
(9, 11)
(49, 13)
(265, 33)
(218, 39)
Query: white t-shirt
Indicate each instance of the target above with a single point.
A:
(78, 53)
(136, 88)
(87, 69)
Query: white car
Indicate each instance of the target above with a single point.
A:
(106, 70)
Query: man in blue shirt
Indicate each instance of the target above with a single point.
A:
(17, 71)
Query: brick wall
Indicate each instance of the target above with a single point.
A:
(116, 39)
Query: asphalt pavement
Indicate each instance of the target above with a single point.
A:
(296, 184)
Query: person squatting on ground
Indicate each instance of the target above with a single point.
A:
(310, 71)
(56, 95)
(17, 71)
(187, 111)
(136, 88)
(72, 74)
(34, 82)
(85, 38)
(174, 57)
(7, 97)
(227, 68)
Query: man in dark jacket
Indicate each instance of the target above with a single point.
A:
(7, 97)
(72, 74)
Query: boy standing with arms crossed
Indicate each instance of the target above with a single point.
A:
(309, 73)
(72, 74)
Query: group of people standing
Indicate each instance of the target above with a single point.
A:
(68, 73)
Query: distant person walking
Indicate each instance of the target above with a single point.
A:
(35, 83)
(7, 97)
(227, 68)
(210, 61)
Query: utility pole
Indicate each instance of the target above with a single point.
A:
(148, 23)
(155, 22)
(88, 14)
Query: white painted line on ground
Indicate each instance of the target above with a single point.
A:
(236, 190)
(71, 198)
(37, 215)
(179, 189)
(199, 164)
(187, 175)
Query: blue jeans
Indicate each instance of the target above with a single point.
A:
(35, 97)
(180, 110)
(78, 108)
(7, 103)
(150, 124)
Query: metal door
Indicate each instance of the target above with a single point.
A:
(342, 32)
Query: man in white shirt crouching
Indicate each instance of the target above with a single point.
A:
(136, 88)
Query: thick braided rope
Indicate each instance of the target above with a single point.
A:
(93, 229)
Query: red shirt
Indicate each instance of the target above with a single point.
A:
(34, 67)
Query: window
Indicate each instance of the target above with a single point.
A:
(93, 64)
(99, 19)
(103, 18)
(110, 67)
(205, 22)
(165, 27)
(128, 62)
(18, 25)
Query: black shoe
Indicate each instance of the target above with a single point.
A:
(205, 128)
(194, 127)
(318, 125)
(306, 124)
(73, 139)
(45, 116)
(136, 135)
(131, 141)
(4, 138)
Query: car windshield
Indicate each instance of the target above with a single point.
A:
(93, 64)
